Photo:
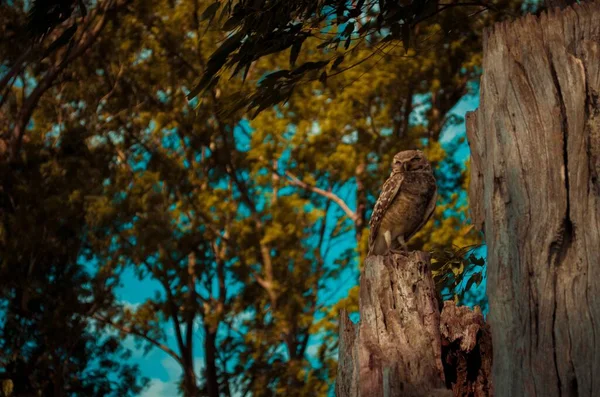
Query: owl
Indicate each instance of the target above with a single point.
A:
(406, 203)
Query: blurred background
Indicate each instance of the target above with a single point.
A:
(158, 243)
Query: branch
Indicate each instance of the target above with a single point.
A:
(329, 195)
(87, 39)
(132, 331)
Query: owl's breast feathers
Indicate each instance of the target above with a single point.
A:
(406, 203)
(419, 201)
(386, 197)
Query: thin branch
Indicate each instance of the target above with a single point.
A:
(327, 194)
(132, 331)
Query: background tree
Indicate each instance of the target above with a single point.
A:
(186, 207)
(63, 37)
(249, 228)
(48, 343)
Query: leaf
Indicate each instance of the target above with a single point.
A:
(204, 84)
(246, 71)
(348, 29)
(406, 31)
(210, 11)
(216, 61)
(475, 278)
(476, 261)
(323, 77)
(348, 41)
(294, 52)
(307, 66)
(231, 23)
(337, 62)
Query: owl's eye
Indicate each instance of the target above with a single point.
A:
(414, 165)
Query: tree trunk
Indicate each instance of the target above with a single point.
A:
(189, 380)
(535, 160)
(396, 348)
(361, 201)
(212, 376)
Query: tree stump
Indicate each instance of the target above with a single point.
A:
(466, 351)
(395, 350)
(535, 146)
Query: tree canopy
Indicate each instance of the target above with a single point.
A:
(342, 28)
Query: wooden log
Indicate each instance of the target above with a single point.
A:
(395, 350)
(466, 351)
(535, 144)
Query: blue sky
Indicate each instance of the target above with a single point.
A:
(164, 371)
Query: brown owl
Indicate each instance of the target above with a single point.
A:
(406, 203)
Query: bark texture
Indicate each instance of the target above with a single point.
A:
(535, 144)
(395, 350)
(466, 351)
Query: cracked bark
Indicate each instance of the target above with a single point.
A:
(535, 150)
(395, 350)
(466, 351)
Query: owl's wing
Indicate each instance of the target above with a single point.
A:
(428, 211)
(390, 189)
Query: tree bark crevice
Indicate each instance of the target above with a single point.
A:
(535, 145)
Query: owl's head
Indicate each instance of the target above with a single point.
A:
(410, 160)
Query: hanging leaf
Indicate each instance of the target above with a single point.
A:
(348, 29)
(337, 62)
(246, 71)
(231, 23)
(216, 62)
(210, 11)
(204, 84)
(406, 31)
(480, 262)
(474, 279)
(308, 66)
(323, 77)
(348, 41)
(294, 52)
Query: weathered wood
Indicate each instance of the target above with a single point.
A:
(535, 143)
(395, 350)
(466, 351)
(346, 382)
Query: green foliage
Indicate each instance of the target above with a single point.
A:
(259, 30)
(247, 226)
(450, 267)
(49, 343)
(7, 388)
